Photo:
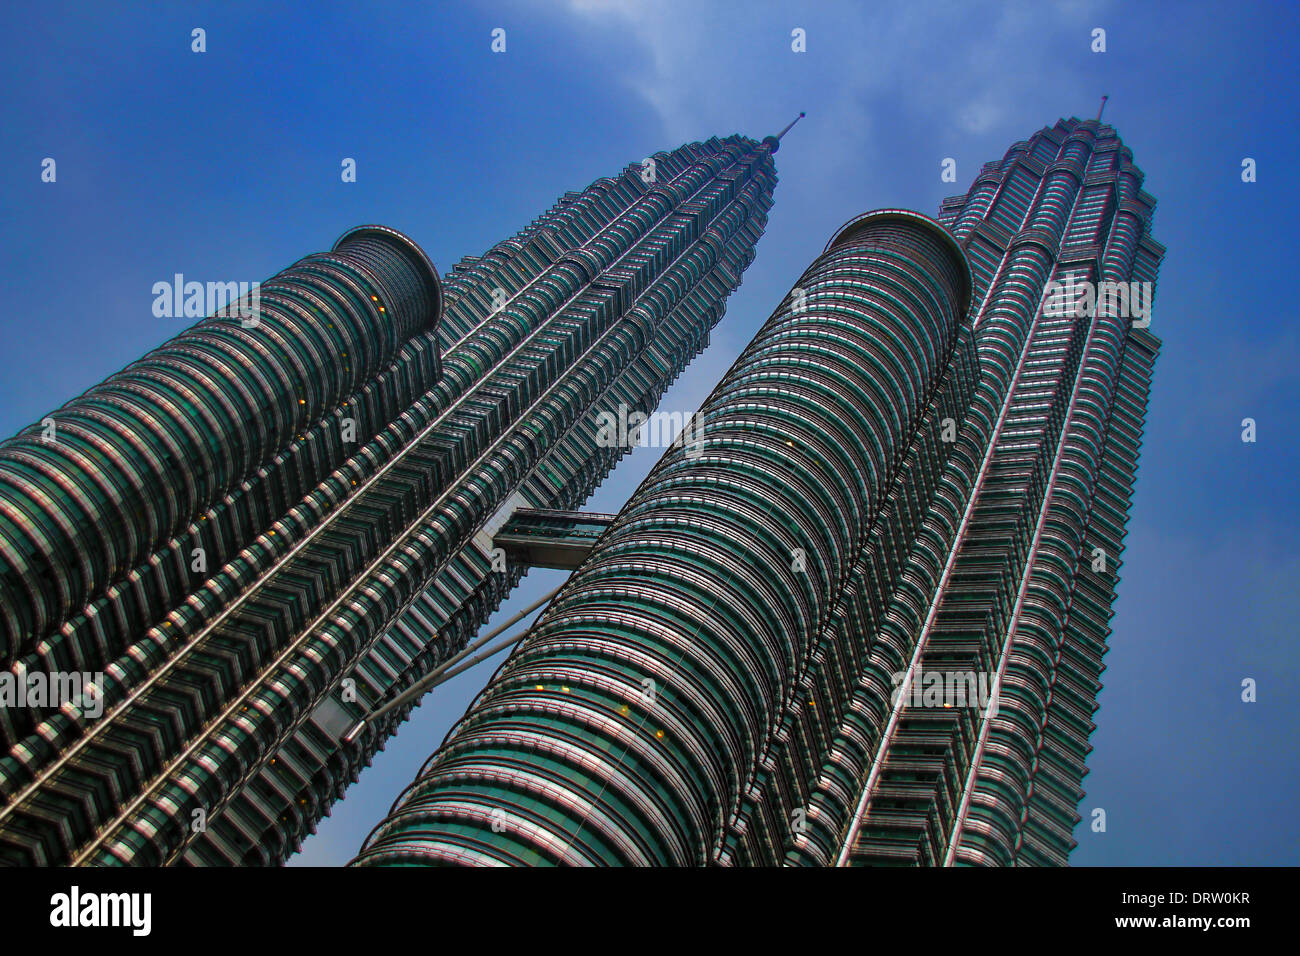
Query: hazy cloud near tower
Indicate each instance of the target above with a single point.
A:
(703, 72)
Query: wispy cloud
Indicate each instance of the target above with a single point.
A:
(948, 63)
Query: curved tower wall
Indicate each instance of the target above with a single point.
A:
(628, 727)
(140, 457)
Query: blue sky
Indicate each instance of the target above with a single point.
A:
(225, 165)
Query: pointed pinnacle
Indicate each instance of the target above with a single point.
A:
(773, 143)
(790, 125)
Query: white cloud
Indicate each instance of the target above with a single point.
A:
(704, 68)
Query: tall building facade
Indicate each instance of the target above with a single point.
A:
(913, 482)
(265, 529)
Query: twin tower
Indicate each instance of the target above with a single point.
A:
(858, 619)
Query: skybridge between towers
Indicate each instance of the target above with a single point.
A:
(551, 539)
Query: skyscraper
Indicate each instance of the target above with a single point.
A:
(277, 521)
(862, 620)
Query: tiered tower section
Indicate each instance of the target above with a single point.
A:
(227, 696)
(1017, 571)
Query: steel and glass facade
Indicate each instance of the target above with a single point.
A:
(262, 531)
(913, 469)
(1025, 585)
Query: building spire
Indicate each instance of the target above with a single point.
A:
(774, 142)
(789, 125)
(1100, 108)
